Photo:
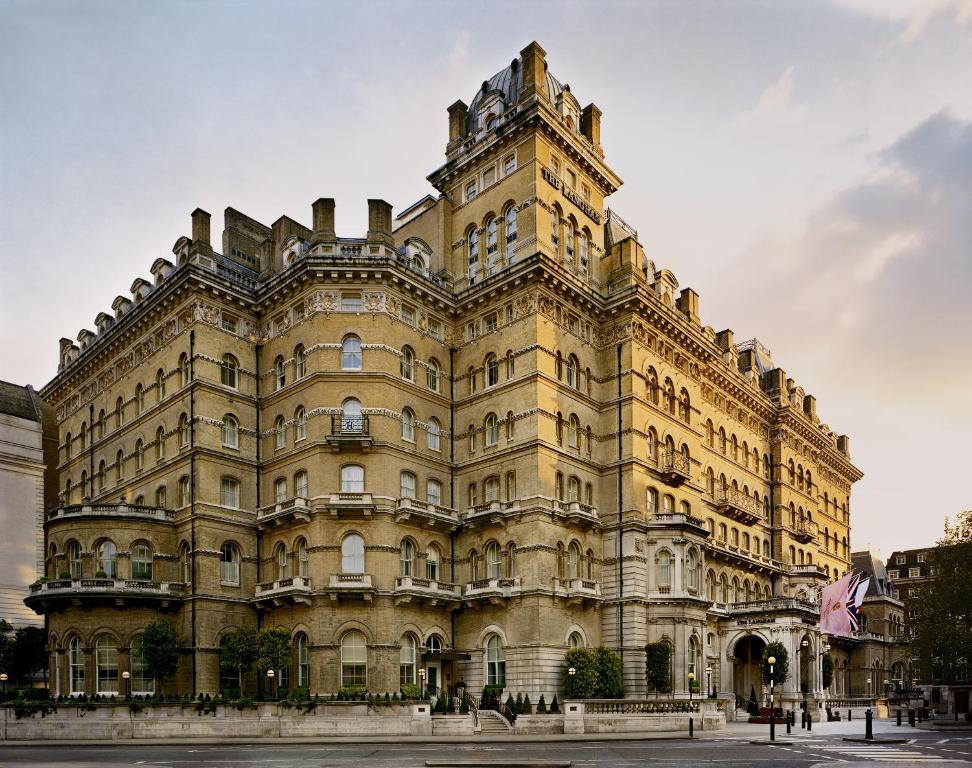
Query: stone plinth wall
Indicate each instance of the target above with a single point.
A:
(534, 725)
(453, 725)
(266, 721)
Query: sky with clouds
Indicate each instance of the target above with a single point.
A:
(807, 167)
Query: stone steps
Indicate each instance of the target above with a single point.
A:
(490, 722)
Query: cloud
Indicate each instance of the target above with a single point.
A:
(775, 106)
(914, 15)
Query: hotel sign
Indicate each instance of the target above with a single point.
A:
(571, 195)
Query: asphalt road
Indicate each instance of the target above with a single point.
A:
(725, 750)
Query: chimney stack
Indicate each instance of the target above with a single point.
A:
(534, 72)
(379, 223)
(810, 408)
(591, 125)
(201, 250)
(843, 445)
(457, 121)
(323, 210)
(688, 303)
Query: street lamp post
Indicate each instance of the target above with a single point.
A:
(691, 679)
(571, 672)
(708, 682)
(270, 674)
(422, 681)
(3, 679)
(772, 662)
(126, 676)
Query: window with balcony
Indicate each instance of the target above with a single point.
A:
(300, 484)
(141, 562)
(282, 561)
(303, 558)
(406, 558)
(407, 485)
(433, 492)
(280, 490)
(352, 554)
(432, 558)
(352, 478)
(107, 564)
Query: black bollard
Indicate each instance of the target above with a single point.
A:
(789, 720)
(911, 717)
(848, 715)
(691, 727)
(899, 716)
(772, 724)
(809, 722)
(803, 719)
(868, 727)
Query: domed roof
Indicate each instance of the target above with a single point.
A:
(508, 81)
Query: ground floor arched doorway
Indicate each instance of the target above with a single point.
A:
(747, 682)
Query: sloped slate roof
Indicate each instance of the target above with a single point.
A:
(16, 400)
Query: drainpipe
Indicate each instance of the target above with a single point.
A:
(89, 436)
(618, 541)
(259, 538)
(452, 502)
(192, 497)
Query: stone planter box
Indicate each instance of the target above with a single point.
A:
(453, 725)
(538, 725)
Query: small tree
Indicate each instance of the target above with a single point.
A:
(159, 646)
(658, 674)
(781, 669)
(827, 670)
(527, 707)
(610, 675)
(583, 683)
(238, 651)
(273, 650)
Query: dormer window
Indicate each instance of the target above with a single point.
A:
(490, 122)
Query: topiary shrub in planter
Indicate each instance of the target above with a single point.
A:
(527, 707)
(555, 706)
(411, 691)
(541, 706)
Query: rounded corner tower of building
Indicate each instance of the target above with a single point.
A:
(484, 432)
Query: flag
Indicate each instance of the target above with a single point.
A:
(839, 603)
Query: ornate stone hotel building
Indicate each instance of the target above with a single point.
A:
(487, 431)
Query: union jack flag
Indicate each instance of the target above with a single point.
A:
(839, 604)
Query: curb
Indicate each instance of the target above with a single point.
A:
(768, 743)
(860, 740)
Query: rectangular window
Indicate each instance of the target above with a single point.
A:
(407, 314)
(471, 190)
(892, 575)
(509, 164)
(900, 560)
(435, 329)
(571, 179)
(914, 573)
(229, 323)
(555, 164)
(471, 330)
(298, 312)
(490, 322)
(433, 492)
(229, 493)
(351, 302)
(510, 314)
(585, 192)
(921, 557)
(489, 177)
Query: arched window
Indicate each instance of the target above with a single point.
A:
(471, 376)
(102, 473)
(491, 430)
(76, 666)
(300, 484)
(141, 562)
(183, 369)
(74, 559)
(159, 386)
(229, 492)
(231, 432)
(510, 364)
(495, 661)
(668, 504)
(663, 565)
(139, 401)
(141, 682)
(722, 441)
(406, 558)
(352, 554)
(228, 372)
(685, 407)
(303, 662)
(473, 253)
(354, 660)
(159, 444)
(119, 413)
(300, 424)
(574, 561)
(710, 586)
(407, 483)
(693, 570)
(583, 250)
(230, 571)
(432, 558)
(723, 589)
(351, 354)
(407, 364)
(279, 433)
(106, 560)
(492, 370)
(670, 396)
(510, 233)
(555, 231)
(106, 662)
(573, 488)
(651, 382)
(510, 428)
(432, 375)
(408, 425)
(183, 431)
(280, 370)
(406, 660)
(280, 490)
(573, 431)
(352, 478)
(433, 433)
(494, 561)
(282, 561)
(652, 499)
(119, 466)
(651, 445)
(569, 241)
(575, 640)
(351, 419)
(185, 559)
(692, 660)
(492, 236)
(572, 372)
(303, 558)
(510, 486)
(300, 362)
